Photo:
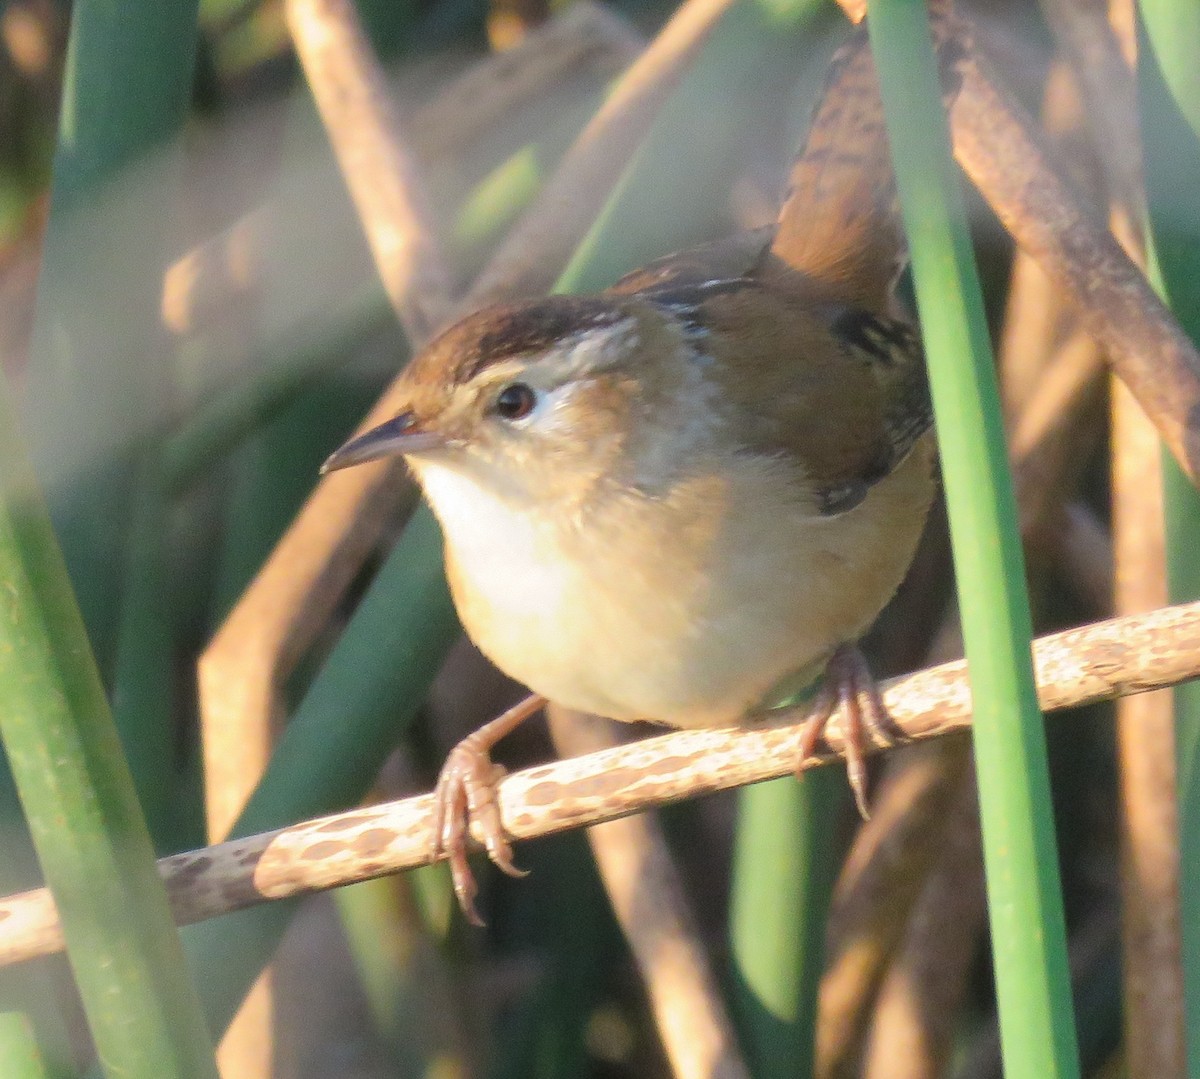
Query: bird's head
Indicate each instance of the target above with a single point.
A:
(534, 400)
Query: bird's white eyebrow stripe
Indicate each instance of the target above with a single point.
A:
(532, 328)
(578, 354)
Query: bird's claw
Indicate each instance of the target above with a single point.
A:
(466, 792)
(849, 691)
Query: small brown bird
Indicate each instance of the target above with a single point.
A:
(684, 499)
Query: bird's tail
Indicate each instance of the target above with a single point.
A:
(840, 222)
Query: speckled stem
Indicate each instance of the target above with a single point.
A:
(1080, 666)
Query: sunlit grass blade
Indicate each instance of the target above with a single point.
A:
(1169, 91)
(83, 813)
(1025, 902)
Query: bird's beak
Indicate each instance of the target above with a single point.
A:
(400, 435)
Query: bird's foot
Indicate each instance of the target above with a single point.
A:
(466, 792)
(849, 691)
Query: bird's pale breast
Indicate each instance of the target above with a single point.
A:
(687, 611)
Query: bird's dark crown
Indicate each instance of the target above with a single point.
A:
(503, 331)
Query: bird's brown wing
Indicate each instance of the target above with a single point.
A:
(732, 257)
(838, 389)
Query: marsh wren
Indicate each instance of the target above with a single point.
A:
(683, 499)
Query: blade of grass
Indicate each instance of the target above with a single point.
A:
(19, 1054)
(410, 991)
(1169, 93)
(352, 715)
(81, 807)
(1020, 855)
(91, 394)
(561, 913)
(143, 674)
(784, 865)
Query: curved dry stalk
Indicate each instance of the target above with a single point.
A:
(1148, 824)
(996, 143)
(883, 875)
(375, 158)
(920, 1000)
(584, 35)
(531, 255)
(1093, 663)
(651, 905)
(999, 148)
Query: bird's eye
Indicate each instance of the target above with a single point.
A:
(515, 401)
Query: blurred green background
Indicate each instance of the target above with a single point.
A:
(190, 322)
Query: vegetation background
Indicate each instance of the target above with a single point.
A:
(196, 307)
